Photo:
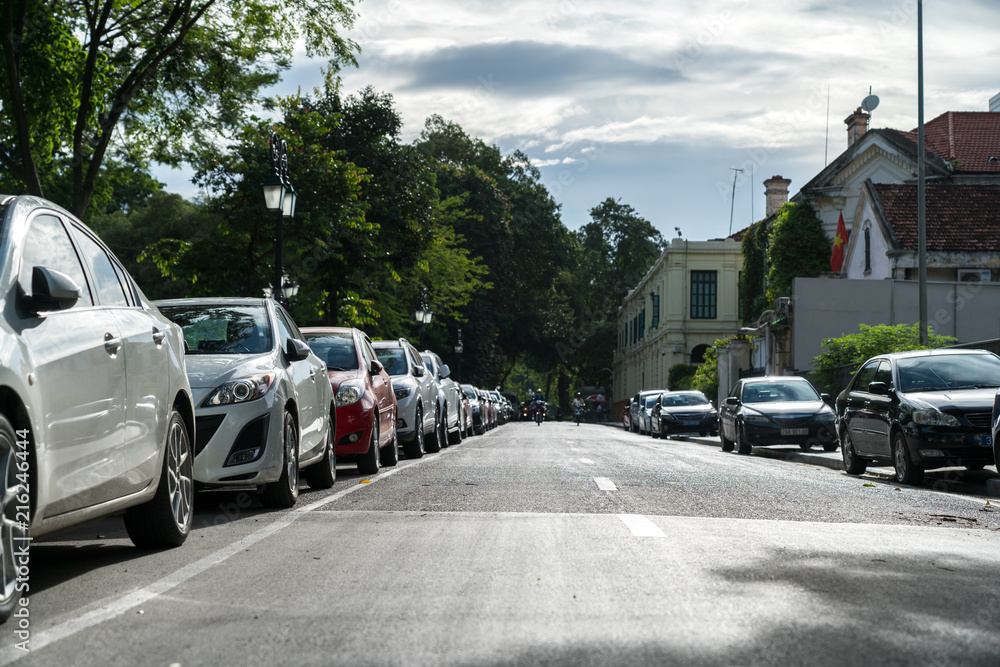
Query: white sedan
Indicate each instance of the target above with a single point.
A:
(263, 403)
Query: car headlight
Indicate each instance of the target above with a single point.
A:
(403, 392)
(932, 417)
(826, 416)
(668, 415)
(240, 391)
(350, 392)
(756, 418)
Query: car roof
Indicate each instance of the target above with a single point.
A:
(775, 378)
(207, 301)
(332, 330)
(938, 352)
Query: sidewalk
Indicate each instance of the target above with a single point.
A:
(984, 482)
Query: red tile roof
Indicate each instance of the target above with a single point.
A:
(959, 217)
(966, 138)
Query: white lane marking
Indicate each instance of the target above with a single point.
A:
(111, 608)
(587, 461)
(641, 526)
(605, 484)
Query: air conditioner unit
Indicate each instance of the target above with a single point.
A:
(974, 275)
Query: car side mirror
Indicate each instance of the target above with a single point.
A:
(444, 371)
(376, 367)
(50, 290)
(825, 398)
(878, 388)
(418, 371)
(732, 401)
(296, 350)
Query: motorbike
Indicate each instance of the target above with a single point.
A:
(578, 414)
(539, 412)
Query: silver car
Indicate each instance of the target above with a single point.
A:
(449, 398)
(96, 414)
(263, 402)
(416, 397)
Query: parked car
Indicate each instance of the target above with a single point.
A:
(776, 410)
(80, 438)
(680, 412)
(488, 408)
(920, 410)
(646, 413)
(627, 415)
(501, 406)
(466, 401)
(416, 397)
(636, 407)
(365, 417)
(449, 398)
(478, 414)
(263, 404)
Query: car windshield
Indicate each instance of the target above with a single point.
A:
(651, 401)
(393, 359)
(772, 392)
(948, 371)
(471, 393)
(682, 400)
(222, 329)
(336, 349)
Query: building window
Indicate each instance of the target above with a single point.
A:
(642, 323)
(656, 310)
(704, 294)
(698, 354)
(868, 249)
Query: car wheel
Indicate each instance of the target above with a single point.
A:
(906, 471)
(456, 437)
(368, 463)
(165, 521)
(727, 444)
(14, 528)
(742, 446)
(323, 474)
(390, 454)
(434, 444)
(415, 448)
(853, 464)
(285, 491)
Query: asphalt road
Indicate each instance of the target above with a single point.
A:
(540, 545)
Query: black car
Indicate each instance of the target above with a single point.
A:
(919, 410)
(680, 412)
(774, 411)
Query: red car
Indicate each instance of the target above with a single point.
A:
(365, 419)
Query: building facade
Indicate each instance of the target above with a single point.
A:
(684, 303)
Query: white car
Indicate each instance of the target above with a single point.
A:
(263, 403)
(96, 414)
(416, 397)
(449, 398)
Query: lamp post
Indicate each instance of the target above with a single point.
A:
(280, 197)
(422, 313)
(458, 357)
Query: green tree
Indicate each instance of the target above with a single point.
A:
(753, 277)
(680, 376)
(706, 378)
(797, 248)
(83, 80)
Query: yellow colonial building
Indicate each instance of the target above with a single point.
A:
(687, 300)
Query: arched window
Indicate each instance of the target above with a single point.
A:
(868, 249)
(698, 354)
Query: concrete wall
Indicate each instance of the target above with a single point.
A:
(827, 308)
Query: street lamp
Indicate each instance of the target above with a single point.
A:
(279, 197)
(458, 356)
(422, 313)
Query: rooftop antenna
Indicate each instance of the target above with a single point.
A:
(678, 230)
(733, 199)
(826, 148)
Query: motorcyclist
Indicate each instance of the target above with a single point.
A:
(578, 405)
(538, 406)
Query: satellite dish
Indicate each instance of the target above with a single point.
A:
(869, 103)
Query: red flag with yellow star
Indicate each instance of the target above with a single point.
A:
(839, 242)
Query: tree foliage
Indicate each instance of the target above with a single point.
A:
(797, 248)
(854, 349)
(82, 80)
(706, 378)
(753, 277)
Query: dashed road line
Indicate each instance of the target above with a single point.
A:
(605, 484)
(589, 462)
(641, 526)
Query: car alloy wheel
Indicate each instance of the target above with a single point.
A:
(369, 463)
(285, 491)
(742, 446)
(853, 464)
(323, 475)
(906, 471)
(14, 528)
(415, 448)
(165, 521)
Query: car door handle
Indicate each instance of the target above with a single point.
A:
(112, 344)
(158, 336)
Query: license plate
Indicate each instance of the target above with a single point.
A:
(690, 422)
(986, 440)
(794, 431)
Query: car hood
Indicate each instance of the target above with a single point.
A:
(687, 409)
(962, 399)
(207, 371)
(787, 407)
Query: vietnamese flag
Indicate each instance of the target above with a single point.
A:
(839, 241)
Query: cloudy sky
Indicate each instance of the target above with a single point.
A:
(654, 102)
